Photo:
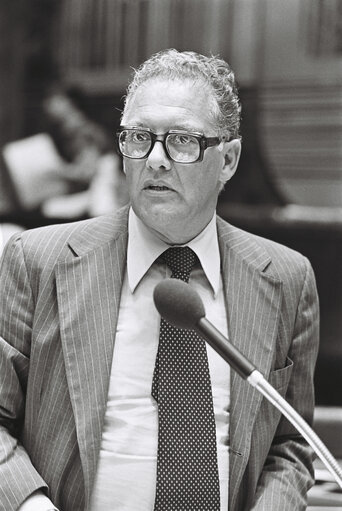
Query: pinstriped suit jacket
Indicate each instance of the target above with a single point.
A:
(60, 293)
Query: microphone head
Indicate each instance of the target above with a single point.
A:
(178, 303)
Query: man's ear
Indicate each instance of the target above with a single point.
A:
(231, 152)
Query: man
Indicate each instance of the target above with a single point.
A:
(85, 383)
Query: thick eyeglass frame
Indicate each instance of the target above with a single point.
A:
(204, 142)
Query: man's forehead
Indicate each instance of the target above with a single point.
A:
(165, 86)
(183, 100)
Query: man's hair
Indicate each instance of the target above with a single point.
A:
(212, 71)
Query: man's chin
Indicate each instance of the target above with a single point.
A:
(164, 222)
(160, 212)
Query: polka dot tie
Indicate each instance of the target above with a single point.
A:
(187, 473)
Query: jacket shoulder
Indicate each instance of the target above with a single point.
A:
(280, 260)
(48, 245)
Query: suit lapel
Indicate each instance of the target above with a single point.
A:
(88, 292)
(253, 306)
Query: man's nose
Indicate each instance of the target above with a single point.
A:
(158, 159)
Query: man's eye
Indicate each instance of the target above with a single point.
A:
(139, 136)
(182, 139)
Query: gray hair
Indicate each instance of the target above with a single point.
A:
(213, 71)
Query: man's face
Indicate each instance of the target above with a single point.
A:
(174, 200)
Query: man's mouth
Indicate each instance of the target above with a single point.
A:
(158, 188)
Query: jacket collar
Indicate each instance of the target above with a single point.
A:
(98, 232)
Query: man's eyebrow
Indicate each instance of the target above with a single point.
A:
(137, 124)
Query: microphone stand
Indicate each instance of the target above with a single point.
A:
(257, 380)
(248, 372)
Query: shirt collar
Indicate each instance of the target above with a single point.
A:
(144, 242)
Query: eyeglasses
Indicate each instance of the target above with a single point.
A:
(180, 146)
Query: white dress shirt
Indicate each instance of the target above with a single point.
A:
(126, 474)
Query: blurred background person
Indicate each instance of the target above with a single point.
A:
(91, 170)
(70, 170)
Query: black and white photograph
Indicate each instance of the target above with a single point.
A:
(170, 255)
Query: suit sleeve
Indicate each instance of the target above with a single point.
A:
(287, 473)
(18, 477)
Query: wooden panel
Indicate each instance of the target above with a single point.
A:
(301, 128)
(110, 36)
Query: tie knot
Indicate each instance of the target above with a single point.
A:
(181, 261)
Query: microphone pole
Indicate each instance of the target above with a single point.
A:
(180, 305)
(248, 372)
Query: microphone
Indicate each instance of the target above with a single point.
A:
(181, 306)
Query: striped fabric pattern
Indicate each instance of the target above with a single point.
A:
(59, 296)
(273, 318)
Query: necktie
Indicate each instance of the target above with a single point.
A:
(187, 472)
